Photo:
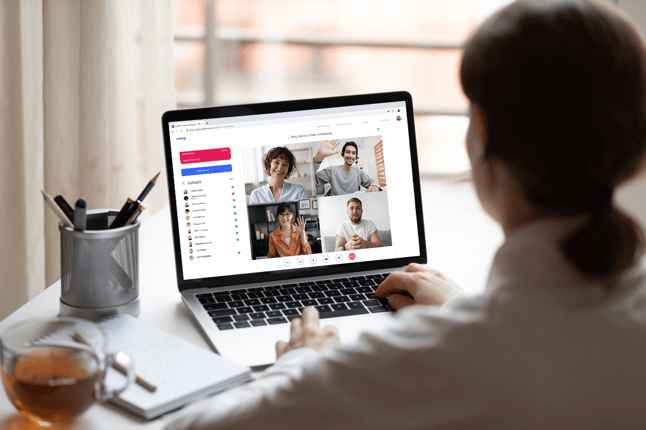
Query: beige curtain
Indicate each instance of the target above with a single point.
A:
(83, 84)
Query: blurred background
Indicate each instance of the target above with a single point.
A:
(80, 109)
(244, 51)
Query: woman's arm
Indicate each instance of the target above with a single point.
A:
(390, 379)
(302, 236)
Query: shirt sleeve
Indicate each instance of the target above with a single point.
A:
(340, 231)
(302, 193)
(381, 382)
(322, 176)
(305, 248)
(254, 198)
(272, 247)
(366, 181)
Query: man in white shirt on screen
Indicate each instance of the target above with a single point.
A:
(356, 233)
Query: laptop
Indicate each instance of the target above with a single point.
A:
(239, 275)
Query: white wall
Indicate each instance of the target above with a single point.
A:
(632, 197)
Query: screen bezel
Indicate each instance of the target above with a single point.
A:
(279, 107)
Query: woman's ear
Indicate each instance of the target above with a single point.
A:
(476, 134)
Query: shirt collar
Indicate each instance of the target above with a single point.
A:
(531, 264)
(531, 256)
(292, 235)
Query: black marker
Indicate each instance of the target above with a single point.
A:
(80, 217)
(65, 207)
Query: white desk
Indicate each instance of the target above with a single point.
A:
(460, 238)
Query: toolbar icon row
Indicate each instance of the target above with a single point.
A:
(314, 260)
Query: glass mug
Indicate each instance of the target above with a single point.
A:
(54, 369)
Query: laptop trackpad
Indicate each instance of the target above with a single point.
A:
(257, 347)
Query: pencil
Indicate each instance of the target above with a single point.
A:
(57, 210)
(149, 187)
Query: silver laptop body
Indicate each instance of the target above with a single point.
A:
(242, 282)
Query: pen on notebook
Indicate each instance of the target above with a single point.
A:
(80, 215)
(127, 210)
(65, 207)
(57, 210)
(144, 383)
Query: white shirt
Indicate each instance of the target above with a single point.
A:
(542, 348)
(364, 229)
(289, 192)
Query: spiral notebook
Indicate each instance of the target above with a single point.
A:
(182, 372)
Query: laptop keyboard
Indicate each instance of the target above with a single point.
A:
(279, 304)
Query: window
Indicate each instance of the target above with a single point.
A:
(245, 51)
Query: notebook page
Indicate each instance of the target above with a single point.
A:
(181, 371)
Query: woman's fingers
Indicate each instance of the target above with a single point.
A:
(295, 330)
(425, 285)
(310, 322)
(396, 282)
(306, 332)
(398, 301)
(330, 331)
(416, 267)
(281, 348)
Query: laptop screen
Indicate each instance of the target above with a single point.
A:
(292, 189)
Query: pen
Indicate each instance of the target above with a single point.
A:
(57, 210)
(80, 215)
(79, 337)
(122, 216)
(65, 207)
(128, 208)
(139, 208)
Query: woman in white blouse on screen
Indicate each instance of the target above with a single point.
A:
(558, 338)
(279, 164)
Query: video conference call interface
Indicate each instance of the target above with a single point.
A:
(286, 195)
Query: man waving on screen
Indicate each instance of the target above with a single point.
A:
(344, 179)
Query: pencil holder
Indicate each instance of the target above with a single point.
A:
(100, 268)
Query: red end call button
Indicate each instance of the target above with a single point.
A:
(205, 155)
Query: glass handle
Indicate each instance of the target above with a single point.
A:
(123, 364)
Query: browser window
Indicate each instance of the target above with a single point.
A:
(227, 212)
